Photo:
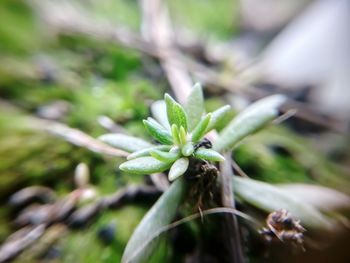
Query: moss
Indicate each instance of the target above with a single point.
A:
(84, 246)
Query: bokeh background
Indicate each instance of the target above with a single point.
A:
(71, 70)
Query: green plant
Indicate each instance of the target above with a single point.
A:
(178, 143)
(179, 132)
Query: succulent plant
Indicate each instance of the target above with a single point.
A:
(179, 139)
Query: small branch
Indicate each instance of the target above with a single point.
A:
(19, 241)
(64, 18)
(231, 226)
(156, 29)
(80, 138)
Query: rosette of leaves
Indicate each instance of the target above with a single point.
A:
(178, 135)
(178, 130)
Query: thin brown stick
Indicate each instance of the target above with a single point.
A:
(80, 138)
(228, 200)
(156, 28)
(77, 22)
(19, 241)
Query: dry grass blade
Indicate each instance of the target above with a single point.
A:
(81, 139)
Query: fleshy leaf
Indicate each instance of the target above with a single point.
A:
(158, 131)
(141, 245)
(323, 198)
(182, 135)
(252, 119)
(194, 106)
(146, 151)
(176, 113)
(144, 165)
(158, 109)
(178, 168)
(175, 134)
(217, 117)
(270, 198)
(187, 149)
(168, 157)
(125, 142)
(200, 130)
(209, 155)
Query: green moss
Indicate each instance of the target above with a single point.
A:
(18, 32)
(85, 247)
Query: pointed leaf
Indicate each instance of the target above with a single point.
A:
(323, 198)
(271, 198)
(217, 117)
(158, 109)
(125, 142)
(158, 131)
(178, 169)
(200, 130)
(182, 136)
(209, 155)
(187, 149)
(141, 245)
(175, 134)
(194, 106)
(252, 119)
(146, 151)
(144, 165)
(176, 113)
(167, 157)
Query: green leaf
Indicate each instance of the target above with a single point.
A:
(125, 142)
(168, 157)
(158, 109)
(182, 135)
(187, 149)
(146, 151)
(322, 198)
(158, 131)
(142, 243)
(194, 106)
(175, 134)
(217, 117)
(252, 119)
(144, 165)
(176, 113)
(200, 130)
(270, 198)
(209, 155)
(178, 168)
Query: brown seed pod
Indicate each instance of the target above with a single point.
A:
(282, 226)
